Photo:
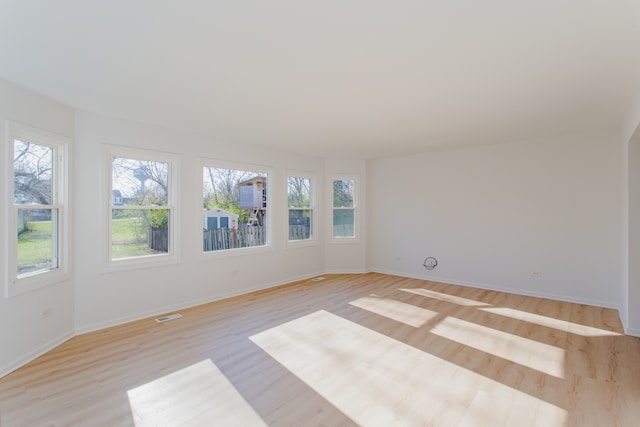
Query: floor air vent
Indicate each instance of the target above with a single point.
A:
(169, 317)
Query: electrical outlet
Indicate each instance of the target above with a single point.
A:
(536, 274)
(47, 313)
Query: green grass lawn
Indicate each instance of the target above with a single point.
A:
(129, 238)
(35, 246)
(128, 231)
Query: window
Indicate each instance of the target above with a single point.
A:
(141, 206)
(234, 203)
(38, 213)
(344, 208)
(300, 208)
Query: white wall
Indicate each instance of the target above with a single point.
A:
(632, 120)
(347, 255)
(633, 291)
(494, 215)
(491, 215)
(631, 312)
(24, 333)
(107, 298)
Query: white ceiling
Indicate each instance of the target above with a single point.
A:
(363, 78)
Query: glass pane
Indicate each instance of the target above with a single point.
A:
(32, 173)
(299, 192)
(234, 208)
(139, 182)
(139, 232)
(300, 224)
(37, 233)
(343, 190)
(344, 223)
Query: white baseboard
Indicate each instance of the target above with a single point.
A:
(12, 366)
(184, 305)
(516, 291)
(4, 370)
(357, 271)
(634, 332)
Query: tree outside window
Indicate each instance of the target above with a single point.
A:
(234, 203)
(36, 207)
(344, 208)
(300, 209)
(140, 207)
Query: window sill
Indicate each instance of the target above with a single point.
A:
(295, 244)
(34, 282)
(226, 253)
(344, 241)
(153, 261)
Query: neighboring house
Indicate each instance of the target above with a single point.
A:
(118, 200)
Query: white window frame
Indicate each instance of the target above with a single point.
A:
(356, 209)
(15, 284)
(173, 201)
(224, 164)
(313, 240)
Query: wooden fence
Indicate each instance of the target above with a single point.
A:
(215, 239)
(343, 230)
(158, 239)
(299, 232)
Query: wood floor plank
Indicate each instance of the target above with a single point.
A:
(368, 349)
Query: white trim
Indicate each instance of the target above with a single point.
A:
(15, 285)
(32, 355)
(313, 199)
(516, 291)
(634, 332)
(347, 271)
(173, 206)
(150, 314)
(216, 255)
(248, 167)
(357, 215)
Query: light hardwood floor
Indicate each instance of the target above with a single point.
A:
(371, 350)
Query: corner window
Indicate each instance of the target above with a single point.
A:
(299, 200)
(38, 213)
(234, 208)
(141, 206)
(344, 208)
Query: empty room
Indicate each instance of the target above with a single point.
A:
(355, 213)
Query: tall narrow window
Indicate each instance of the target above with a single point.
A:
(141, 205)
(344, 208)
(235, 208)
(38, 207)
(300, 208)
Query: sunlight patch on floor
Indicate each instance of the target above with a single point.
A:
(198, 395)
(445, 297)
(533, 354)
(379, 381)
(399, 311)
(550, 322)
